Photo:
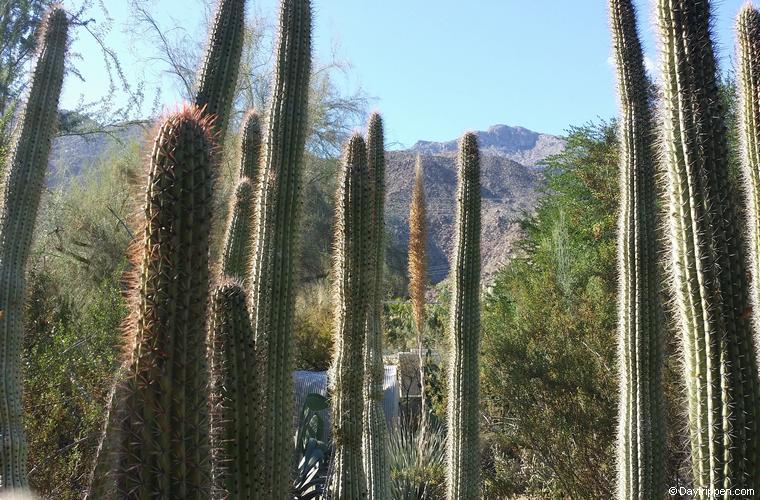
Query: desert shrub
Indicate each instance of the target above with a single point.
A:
(549, 386)
(313, 327)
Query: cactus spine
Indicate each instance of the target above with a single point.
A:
(641, 432)
(236, 260)
(463, 444)
(707, 256)
(276, 242)
(353, 273)
(748, 36)
(234, 382)
(219, 73)
(164, 443)
(375, 432)
(21, 190)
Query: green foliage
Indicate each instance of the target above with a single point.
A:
(70, 350)
(313, 327)
(549, 386)
(76, 308)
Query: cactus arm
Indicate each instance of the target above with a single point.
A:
(641, 432)
(236, 259)
(21, 190)
(353, 269)
(463, 445)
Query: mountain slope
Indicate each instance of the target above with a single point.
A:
(514, 143)
(510, 179)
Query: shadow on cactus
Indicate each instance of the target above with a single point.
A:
(311, 450)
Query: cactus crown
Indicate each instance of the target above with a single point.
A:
(250, 146)
(164, 440)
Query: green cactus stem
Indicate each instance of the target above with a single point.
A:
(277, 242)
(234, 380)
(463, 445)
(236, 259)
(164, 447)
(641, 432)
(748, 37)
(250, 146)
(375, 432)
(22, 184)
(353, 273)
(219, 74)
(707, 262)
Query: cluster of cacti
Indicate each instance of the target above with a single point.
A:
(236, 259)
(22, 185)
(375, 433)
(204, 402)
(218, 76)
(707, 256)
(276, 244)
(353, 275)
(641, 436)
(463, 442)
(234, 379)
(164, 445)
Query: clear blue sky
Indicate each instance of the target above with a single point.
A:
(438, 67)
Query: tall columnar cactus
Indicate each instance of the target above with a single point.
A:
(236, 260)
(641, 431)
(463, 444)
(218, 75)
(276, 243)
(22, 183)
(353, 272)
(164, 447)
(375, 432)
(234, 380)
(708, 275)
(748, 37)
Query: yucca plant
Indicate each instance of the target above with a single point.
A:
(417, 460)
